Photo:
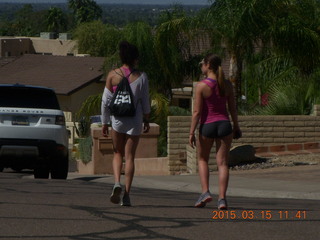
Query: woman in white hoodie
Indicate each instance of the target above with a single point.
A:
(126, 131)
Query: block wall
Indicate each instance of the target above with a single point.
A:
(258, 131)
(277, 130)
(178, 137)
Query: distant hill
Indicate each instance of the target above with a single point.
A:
(156, 2)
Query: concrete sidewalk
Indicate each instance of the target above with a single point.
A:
(299, 182)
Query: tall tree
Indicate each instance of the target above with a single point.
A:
(229, 27)
(294, 32)
(56, 20)
(85, 10)
(173, 39)
(281, 27)
(141, 34)
(97, 39)
(23, 22)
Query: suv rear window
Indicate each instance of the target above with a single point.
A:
(27, 97)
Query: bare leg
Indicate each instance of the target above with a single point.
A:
(222, 154)
(204, 147)
(119, 141)
(130, 152)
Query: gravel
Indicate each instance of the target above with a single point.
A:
(283, 161)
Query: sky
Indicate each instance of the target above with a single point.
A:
(190, 2)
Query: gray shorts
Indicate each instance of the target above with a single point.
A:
(217, 129)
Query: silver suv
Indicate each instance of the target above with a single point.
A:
(33, 133)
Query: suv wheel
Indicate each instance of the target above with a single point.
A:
(59, 168)
(41, 171)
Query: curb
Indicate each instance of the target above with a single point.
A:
(288, 149)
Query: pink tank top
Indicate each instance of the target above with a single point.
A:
(127, 72)
(214, 107)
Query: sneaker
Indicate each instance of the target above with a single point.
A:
(116, 192)
(222, 204)
(126, 200)
(203, 200)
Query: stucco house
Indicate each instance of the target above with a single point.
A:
(46, 44)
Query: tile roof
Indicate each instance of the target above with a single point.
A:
(6, 60)
(65, 74)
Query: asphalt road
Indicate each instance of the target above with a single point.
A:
(80, 209)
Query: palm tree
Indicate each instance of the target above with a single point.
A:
(294, 33)
(228, 23)
(173, 39)
(291, 65)
(23, 24)
(56, 20)
(282, 29)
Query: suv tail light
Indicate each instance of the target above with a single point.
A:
(60, 120)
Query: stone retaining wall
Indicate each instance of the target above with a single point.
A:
(258, 131)
(192, 163)
(277, 130)
(178, 137)
(316, 110)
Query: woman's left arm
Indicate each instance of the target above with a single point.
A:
(105, 113)
(145, 101)
(233, 111)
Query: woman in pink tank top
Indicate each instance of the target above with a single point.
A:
(212, 96)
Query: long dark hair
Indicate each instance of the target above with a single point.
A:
(128, 53)
(215, 65)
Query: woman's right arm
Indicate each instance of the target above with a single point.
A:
(196, 114)
(109, 81)
(105, 113)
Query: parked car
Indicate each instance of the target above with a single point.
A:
(33, 132)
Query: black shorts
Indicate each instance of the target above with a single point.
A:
(217, 129)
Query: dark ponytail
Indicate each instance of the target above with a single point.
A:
(215, 65)
(128, 53)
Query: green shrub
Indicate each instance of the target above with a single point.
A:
(85, 149)
(178, 111)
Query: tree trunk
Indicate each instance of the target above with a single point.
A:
(235, 72)
(233, 69)
(259, 95)
(239, 80)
